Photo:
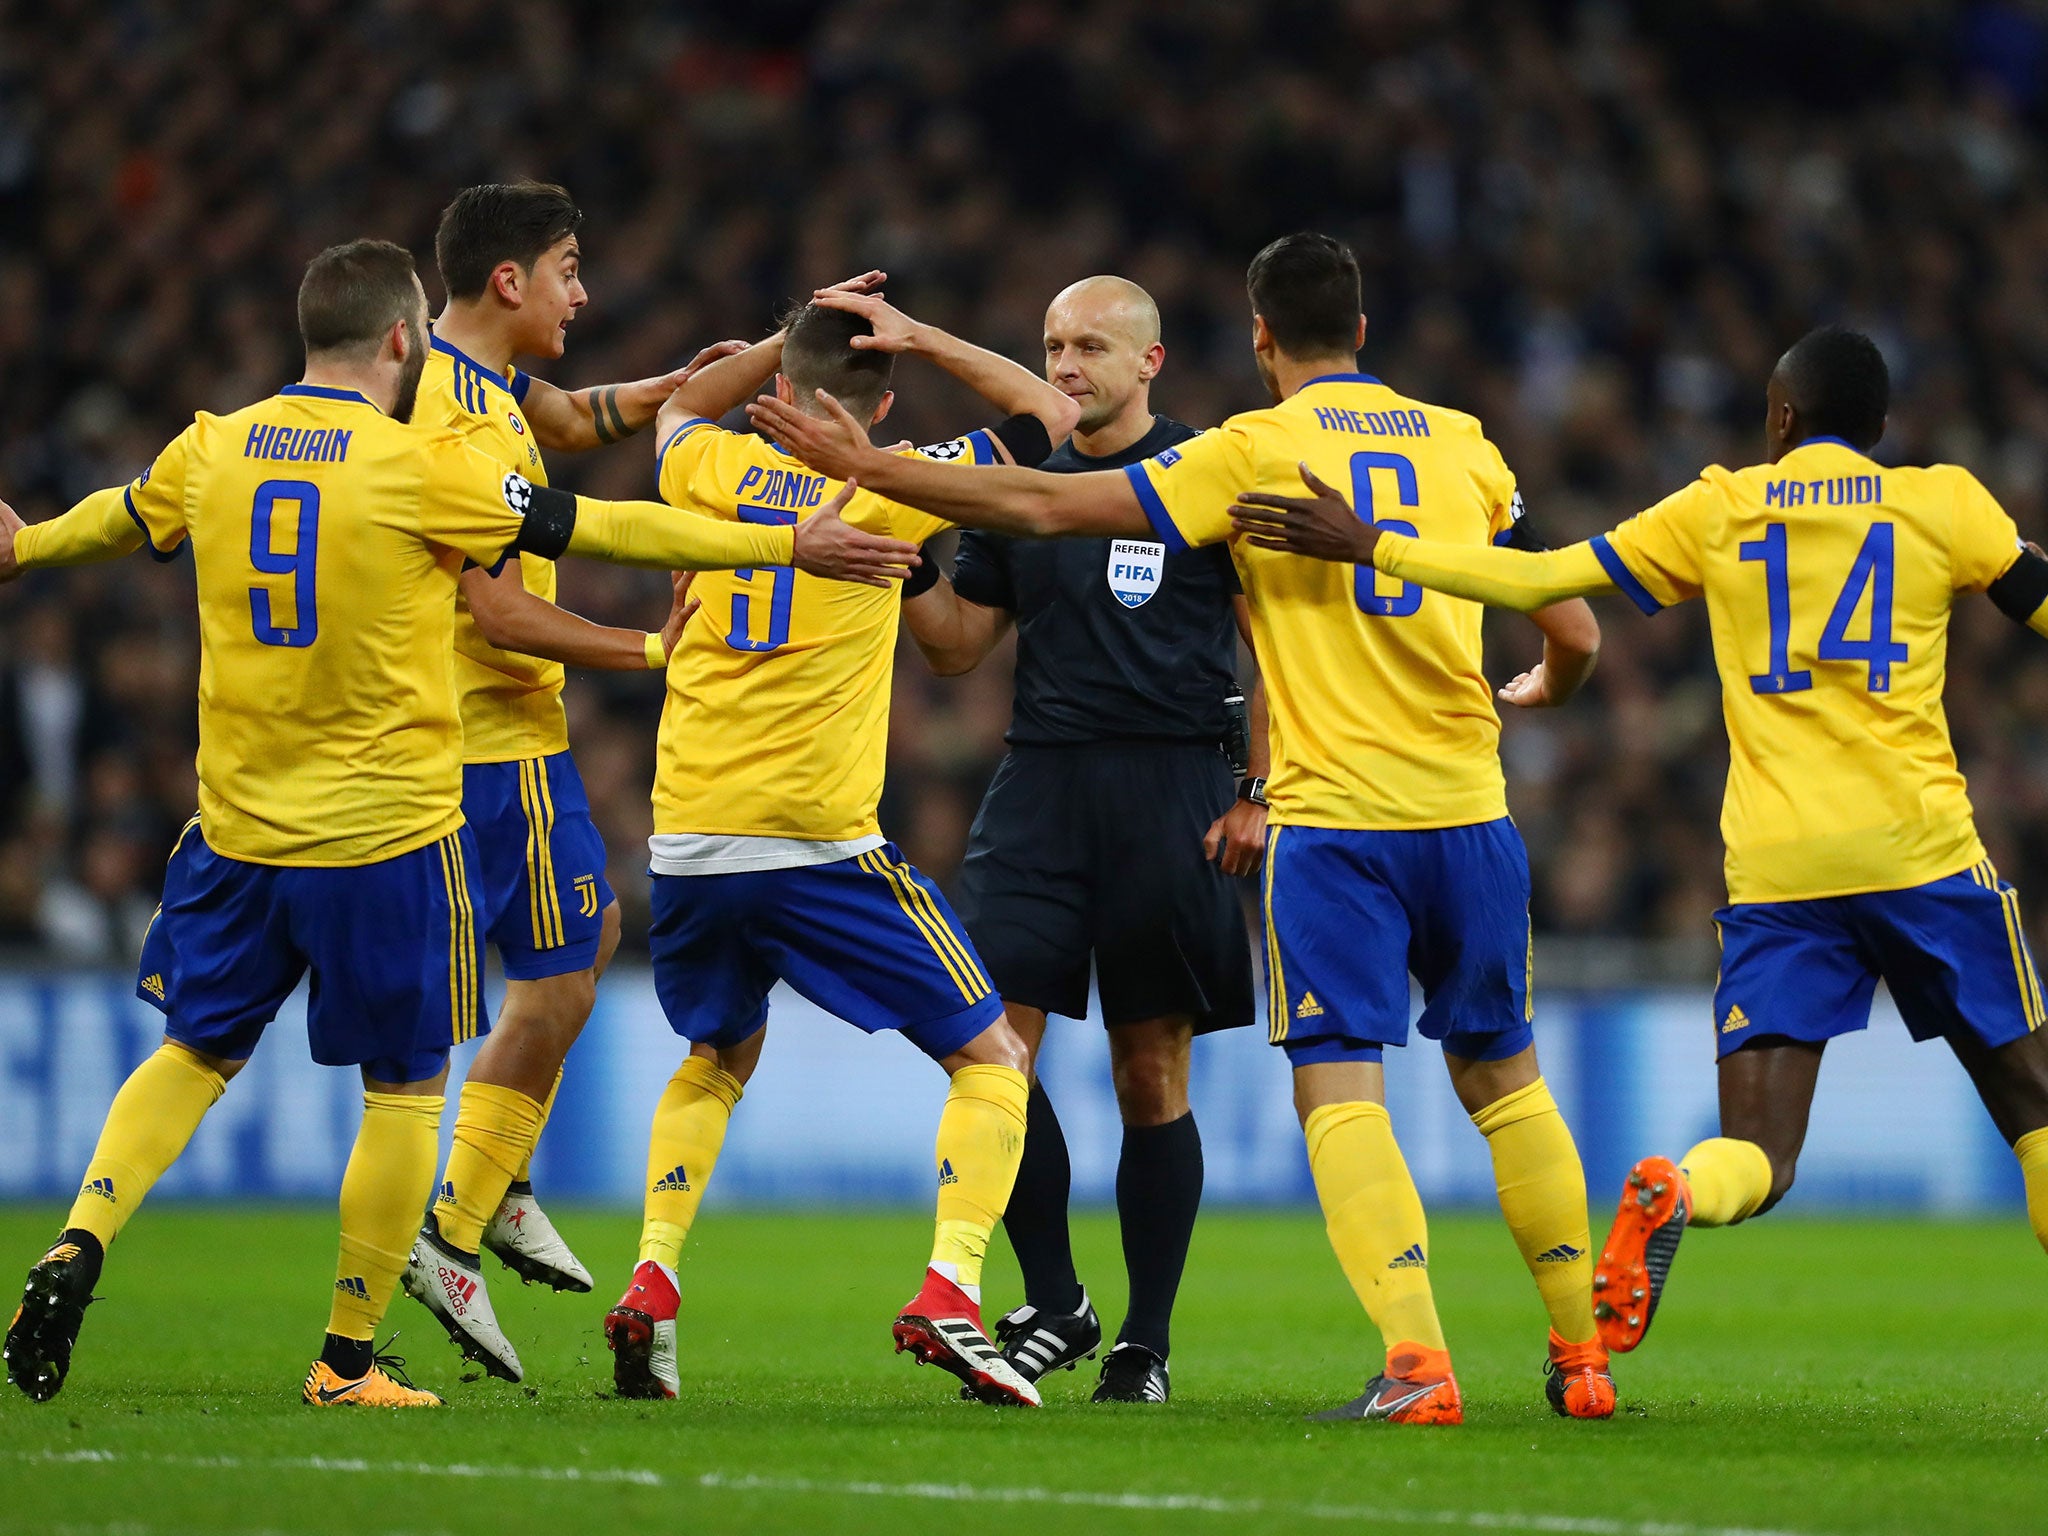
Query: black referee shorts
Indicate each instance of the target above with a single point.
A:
(1097, 850)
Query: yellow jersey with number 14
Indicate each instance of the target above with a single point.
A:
(1828, 580)
(326, 543)
(776, 722)
(1380, 715)
(511, 704)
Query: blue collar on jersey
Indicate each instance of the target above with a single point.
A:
(1839, 442)
(1343, 378)
(438, 345)
(322, 392)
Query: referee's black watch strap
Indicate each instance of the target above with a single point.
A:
(1252, 789)
(2024, 586)
(1029, 443)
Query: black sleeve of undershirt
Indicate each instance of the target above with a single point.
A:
(2020, 592)
(1029, 443)
(981, 571)
(550, 519)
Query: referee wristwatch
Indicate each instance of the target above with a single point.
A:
(1252, 789)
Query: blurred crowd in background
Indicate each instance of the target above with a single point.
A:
(1594, 224)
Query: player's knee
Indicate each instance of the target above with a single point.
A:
(608, 932)
(1151, 1085)
(223, 1067)
(997, 1046)
(737, 1061)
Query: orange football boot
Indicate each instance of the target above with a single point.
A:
(1628, 1282)
(1417, 1387)
(374, 1389)
(1577, 1382)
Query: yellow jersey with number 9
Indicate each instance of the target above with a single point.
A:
(776, 722)
(511, 704)
(326, 543)
(1828, 579)
(1381, 717)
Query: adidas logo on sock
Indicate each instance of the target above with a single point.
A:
(1412, 1259)
(674, 1182)
(1736, 1019)
(103, 1187)
(1563, 1253)
(353, 1286)
(946, 1173)
(1308, 1007)
(153, 984)
(446, 1194)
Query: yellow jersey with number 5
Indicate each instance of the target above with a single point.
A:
(1381, 717)
(776, 722)
(511, 704)
(1828, 579)
(326, 543)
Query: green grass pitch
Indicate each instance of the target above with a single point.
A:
(1807, 1376)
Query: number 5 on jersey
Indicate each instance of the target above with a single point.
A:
(781, 592)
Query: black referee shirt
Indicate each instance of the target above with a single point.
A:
(1117, 640)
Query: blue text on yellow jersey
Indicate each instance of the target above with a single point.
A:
(1381, 717)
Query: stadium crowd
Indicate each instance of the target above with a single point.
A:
(1580, 220)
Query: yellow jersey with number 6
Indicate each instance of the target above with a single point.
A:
(1828, 579)
(1381, 718)
(326, 542)
(511, 704)
(776, 722)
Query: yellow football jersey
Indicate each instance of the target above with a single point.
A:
(511, 704)
(1380, 715)
(1828, 580)
(776, 722)
(326, 540)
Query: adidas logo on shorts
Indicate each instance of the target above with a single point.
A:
(946, 1173)
(1308, 1007)
(153, 984)
(103, 1187)
(1736, 1019)
(353, 1286)
(1412, 1259)
(1563, 1253)
(674, 1182)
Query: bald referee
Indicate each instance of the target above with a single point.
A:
(1111, 832)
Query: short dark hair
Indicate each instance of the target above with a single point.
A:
(1306, 289)
(519, 221)
(1839, 384)
(818, 353)
(352, 294)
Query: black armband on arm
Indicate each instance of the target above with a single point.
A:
(1029, 443)
(550, 519)
(1521, 536)
(2020, 592)
(924, 576)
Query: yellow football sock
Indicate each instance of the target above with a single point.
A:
(1375, 1219)
(1542, 1188)
(979, 1145)
(147, 1126)
(389, 1174)
(547, 1107)
(2032, 1151)
(495, 1129)
(682, 1149)
(1729, 1180)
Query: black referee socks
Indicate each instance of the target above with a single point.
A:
(1037, 1216)
(1158, 1192)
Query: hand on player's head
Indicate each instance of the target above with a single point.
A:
(9, 526)
(704, 359)
(867, 282)
(1320, 525)
(833, 444)
(829, 546)
(894, 330)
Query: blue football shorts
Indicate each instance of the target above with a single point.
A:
(542, 860)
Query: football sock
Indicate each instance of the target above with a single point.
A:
(147, 1126)
(389, 1174)
(1158, 1192)
(1375, 1220)
(523, 1179)
(682, 1149)
(1542, 1188)
(980, 1142)
(1729, 1180)
(2032, 1151)
(495, 1129)
(1036, 1218)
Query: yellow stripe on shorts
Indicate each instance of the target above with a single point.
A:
(874, 864)
(1276, 983)
(551, 892)
(545, 913)
(2022, 959)
(907, 879)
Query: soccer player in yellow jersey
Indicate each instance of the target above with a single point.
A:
(768, 861)
(1852, 856)
(327, 536)
(510, 257)
(1389, 852)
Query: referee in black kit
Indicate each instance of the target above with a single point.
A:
(1111, 829)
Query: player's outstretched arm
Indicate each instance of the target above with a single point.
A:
(573, 420)
(1012, 389)
(514, 619)
(955, 635)
(98, 528)
(1028, 502)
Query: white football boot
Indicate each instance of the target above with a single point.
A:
(522, 1236)
(451, 1286)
